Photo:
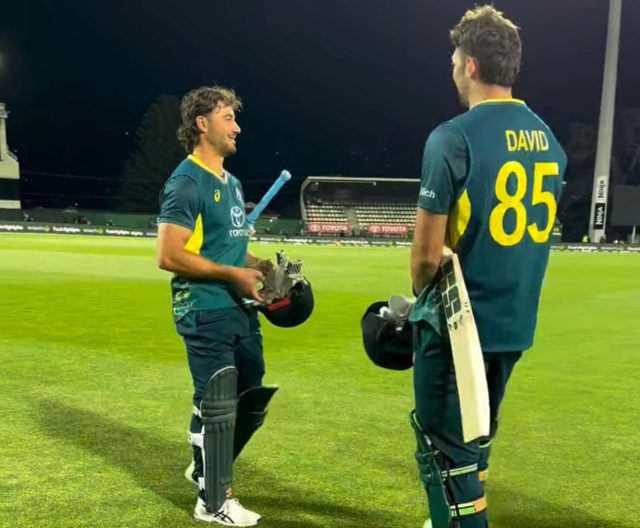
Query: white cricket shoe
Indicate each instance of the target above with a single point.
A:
(427, 524)
(232, 513)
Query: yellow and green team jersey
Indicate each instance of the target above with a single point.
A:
(212, 207)
(497, 171)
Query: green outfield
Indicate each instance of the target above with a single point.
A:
(95, 398)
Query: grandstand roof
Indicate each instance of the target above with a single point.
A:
(352, 179)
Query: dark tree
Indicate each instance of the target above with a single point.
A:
(581, 151)
(157, 154)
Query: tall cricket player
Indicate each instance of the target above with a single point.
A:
(491, 180)
(202, 239)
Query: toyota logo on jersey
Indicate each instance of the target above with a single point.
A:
(237, 216)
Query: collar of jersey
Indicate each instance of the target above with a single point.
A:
(199, 163)
(501, 100)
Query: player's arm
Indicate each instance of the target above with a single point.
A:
(172, 256)
(444, 164)
(178, 212)
(426, 250)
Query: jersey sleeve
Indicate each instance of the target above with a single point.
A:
(444, 168)
(179, 202)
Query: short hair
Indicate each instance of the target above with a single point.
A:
(201, 102)
(493, 40)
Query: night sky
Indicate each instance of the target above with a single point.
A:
(330, 87)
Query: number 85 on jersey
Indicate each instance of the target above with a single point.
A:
(514, 199)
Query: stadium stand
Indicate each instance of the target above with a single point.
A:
(9, 168)
(359, 206)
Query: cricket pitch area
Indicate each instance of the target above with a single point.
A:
(96, 397)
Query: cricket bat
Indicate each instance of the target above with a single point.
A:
(468, 362)
(284, 177)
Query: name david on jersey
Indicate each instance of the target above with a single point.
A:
(526, 140)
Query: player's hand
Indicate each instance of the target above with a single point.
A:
(447, 252)
(265, 266)
(247, 281)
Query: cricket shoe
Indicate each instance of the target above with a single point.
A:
(232, 513)
(427, 524)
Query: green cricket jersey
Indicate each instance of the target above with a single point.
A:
(497, 171)
(212, 207)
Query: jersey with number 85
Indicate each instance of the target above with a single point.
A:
(497, 171)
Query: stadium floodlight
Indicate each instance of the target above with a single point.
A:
(598, 215)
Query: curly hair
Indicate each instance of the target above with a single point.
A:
(201, 102)
(493, 40)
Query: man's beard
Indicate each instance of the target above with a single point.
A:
(463, 95)
(464, 99)
(223, 148)
(228, 150)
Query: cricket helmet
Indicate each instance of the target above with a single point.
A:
(388, 344)
(293, 309)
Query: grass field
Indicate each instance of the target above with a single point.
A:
(95, 398)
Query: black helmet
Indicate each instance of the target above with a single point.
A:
(293, 309)
(387, 344)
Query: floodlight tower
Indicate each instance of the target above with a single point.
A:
(598, 215)
(9, 168)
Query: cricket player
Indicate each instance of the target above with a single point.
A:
(202, 239)
(491, 180)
